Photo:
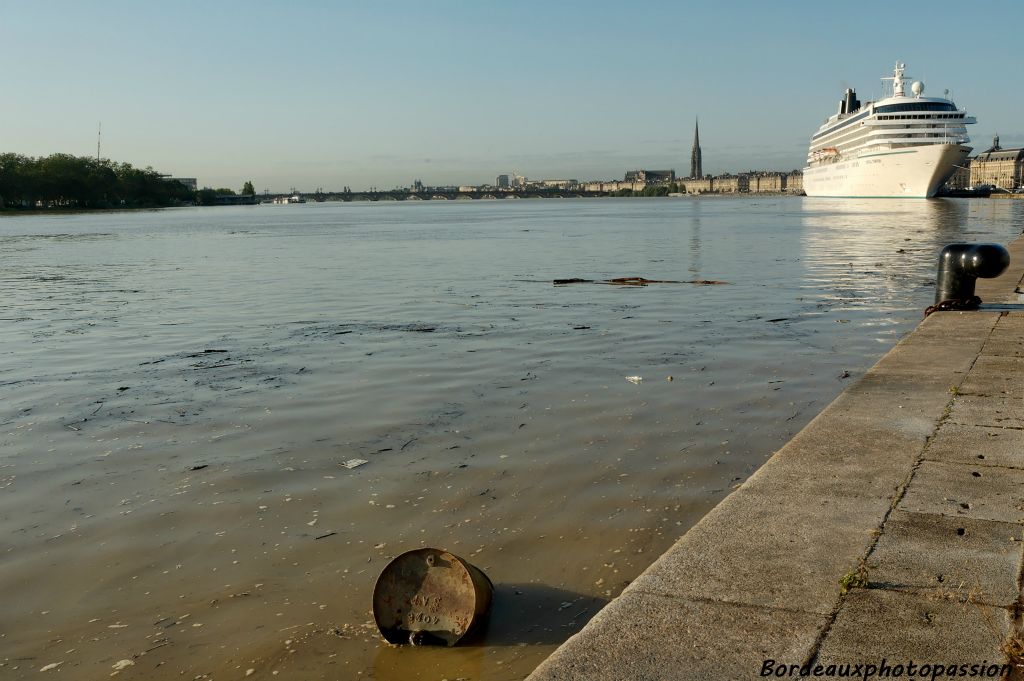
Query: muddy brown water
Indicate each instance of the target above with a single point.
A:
(180, 390)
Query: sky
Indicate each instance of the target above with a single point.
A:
(313, 93)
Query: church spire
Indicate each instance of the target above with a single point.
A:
(695, 161)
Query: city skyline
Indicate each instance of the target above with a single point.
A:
(377, 95)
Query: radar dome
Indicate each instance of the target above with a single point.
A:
(917, 87)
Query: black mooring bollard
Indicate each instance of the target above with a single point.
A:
(960, 265)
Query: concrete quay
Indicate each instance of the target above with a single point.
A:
(908, 488)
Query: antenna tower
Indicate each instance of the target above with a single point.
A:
(99, 134)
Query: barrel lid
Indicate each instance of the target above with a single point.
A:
(427, 594)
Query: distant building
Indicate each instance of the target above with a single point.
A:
(730, 184)
(696, 169)
(189, 182)
(613, 186)
(559, 184)
(502, 182)
(795, 182)
(766, 182)
(417, 187)
(697, 185)
(650, 176)
(998, 167)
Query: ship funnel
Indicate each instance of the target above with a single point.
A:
(850, 101)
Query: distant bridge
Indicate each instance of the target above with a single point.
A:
(440, 195)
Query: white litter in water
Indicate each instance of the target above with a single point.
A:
(634, 379)
(118, 666)
(354, 463)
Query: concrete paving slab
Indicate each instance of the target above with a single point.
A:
(928, 361)
(875, 623)
(977, 445)
(769, 550)
(676, 639)
(905, 414)
(1000, 376)
(936, 327)
(951, 558)
(834, 460)
(1011, 324)
(981, 492)
(1001, 347)
(973, 410)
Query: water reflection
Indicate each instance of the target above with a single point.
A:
(871, 252)
(695, 243)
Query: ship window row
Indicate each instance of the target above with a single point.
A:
(922, 126)
(920, 116)
(915, 106)
(900, 135)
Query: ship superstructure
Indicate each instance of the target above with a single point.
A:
(900, 146)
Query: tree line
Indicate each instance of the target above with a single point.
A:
(66, 181)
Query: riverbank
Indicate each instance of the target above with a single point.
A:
(888, 531)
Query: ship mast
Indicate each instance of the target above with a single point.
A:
(897, 80)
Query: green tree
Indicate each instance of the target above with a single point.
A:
(207, 196)
(655, 190)
(66, 181)
(247, 188)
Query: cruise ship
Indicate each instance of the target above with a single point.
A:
(902, 146)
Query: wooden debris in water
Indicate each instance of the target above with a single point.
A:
(354, 463)
(637, 281)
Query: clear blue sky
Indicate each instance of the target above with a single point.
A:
(320, 93)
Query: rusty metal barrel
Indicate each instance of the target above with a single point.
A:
(430, 596)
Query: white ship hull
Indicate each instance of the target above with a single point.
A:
(908, 172)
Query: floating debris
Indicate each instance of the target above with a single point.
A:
(635, 379)
(354, 463)
(637, 281)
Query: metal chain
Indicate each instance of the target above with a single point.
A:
(971, 303)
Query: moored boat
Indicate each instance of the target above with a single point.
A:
(903, 145)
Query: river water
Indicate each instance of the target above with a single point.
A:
(181, 388)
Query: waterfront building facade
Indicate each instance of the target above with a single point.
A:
(766, 182)
(729, 184)
(795, 182)
(703, 185)
(1002, 168)
(502, 182)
